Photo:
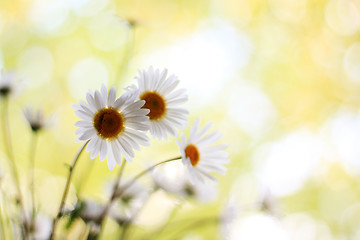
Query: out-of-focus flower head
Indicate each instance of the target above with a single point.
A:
(41, 228)
(172, 178)
(200, 155)
(133, 194)
(113, 127)
(269, 204)
(8, 85)
(230, 211)
(89, 211)
(35, 119)
(163, 100)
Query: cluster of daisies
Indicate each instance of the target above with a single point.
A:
(114, 127)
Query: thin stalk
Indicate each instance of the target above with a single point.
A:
(116, 195)
(112, 198)
(2, 225)
(128, 223)
(196, 224)
(9, 234)
(9, 151)
(142, 174)
(33, 144)
(66, 190)
(171, 217)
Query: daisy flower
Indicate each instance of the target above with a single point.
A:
(113, 127)
(7, 83)
(200, 155)
(163, 100)
(35, 119)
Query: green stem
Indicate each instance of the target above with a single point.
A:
(9, 151)
(112, 198)
(128, 223)
(66, 190)
(171, 217)
(33, 144)
(4, 206)
(142, 174)
(2, 225)
(196, 224)
(116, 195)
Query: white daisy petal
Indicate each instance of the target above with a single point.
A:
(113, 127)
(87, 135)
(91, 101)
(110, 159)
(170, 86)
(103, 150)
(86, 107)
(84, 115)
(117, 152)
(123, 151)
(111, 96)
(162, 99)
(104, 93)
(198, 154)
(99, 100)
(83, 124)
(92, 144)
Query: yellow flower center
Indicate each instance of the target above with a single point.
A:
(192, 152)
(109, 123)
(155, 103)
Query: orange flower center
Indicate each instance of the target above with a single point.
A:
(109, 123)
(192, 152)
(155, 103)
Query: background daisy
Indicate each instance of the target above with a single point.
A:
(35, 119)
(163, 100)
(8, 83)
(200, 155)
(113, 127)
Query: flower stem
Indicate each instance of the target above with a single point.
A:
(2, 225)
(128, 223)
(170, 218)
(117, 194)
(142, 174)
(66, 190)
(9, 151)
(33, 144)
(112, 198)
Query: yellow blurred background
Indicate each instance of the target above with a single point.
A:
(280, 79)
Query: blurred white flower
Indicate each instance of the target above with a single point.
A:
(162, 100)
(132, 194)
(90, 211)
(114, 127)
(269, 204)
(7, 83)
(230, 212)
(42, 227)
(172, 178)
(35, 119)
(199, 154)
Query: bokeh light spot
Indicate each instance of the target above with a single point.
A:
(86, 74)
(36, 65)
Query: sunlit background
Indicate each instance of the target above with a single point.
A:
(280, 79)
